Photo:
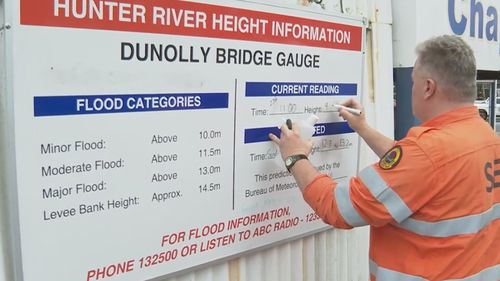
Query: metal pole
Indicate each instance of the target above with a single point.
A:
(491, 104)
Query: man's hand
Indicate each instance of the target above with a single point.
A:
(290, 142)
(356, 122)
(379, 143)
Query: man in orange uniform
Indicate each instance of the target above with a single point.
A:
(433, 200)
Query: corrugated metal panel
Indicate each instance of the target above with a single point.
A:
(328, 256)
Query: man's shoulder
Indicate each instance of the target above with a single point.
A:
(448, 143)
(455, 131)
(419, 131)
(432, 141)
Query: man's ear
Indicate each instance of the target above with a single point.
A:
(430, 88)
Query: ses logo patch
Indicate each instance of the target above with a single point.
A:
(391, 158)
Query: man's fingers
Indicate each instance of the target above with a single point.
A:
(343, 113)
(288, 124)
(284, 128)
(274, 138)
(296, 127)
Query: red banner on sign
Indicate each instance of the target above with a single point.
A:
(190, 19)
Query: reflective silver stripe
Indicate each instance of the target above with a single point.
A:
(384, 193)
(464, 225)
(384, 274)
(347, 210)
(491, 273)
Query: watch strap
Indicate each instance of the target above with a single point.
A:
(292, 159)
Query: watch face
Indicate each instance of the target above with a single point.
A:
(290, 160)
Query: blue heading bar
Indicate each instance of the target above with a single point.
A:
(254, 135)
(76, 105)
(273, 89)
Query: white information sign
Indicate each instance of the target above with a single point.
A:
(141, 130)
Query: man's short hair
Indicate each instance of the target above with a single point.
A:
(451, 61)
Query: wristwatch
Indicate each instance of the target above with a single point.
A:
(292, 159)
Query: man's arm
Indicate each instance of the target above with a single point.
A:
(320, 197)
(379, 143)
(304, 173)
(319, 190)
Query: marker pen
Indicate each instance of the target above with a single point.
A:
(351, 110)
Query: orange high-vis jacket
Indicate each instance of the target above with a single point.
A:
(433, 202)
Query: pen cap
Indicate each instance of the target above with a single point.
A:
(306, 126)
